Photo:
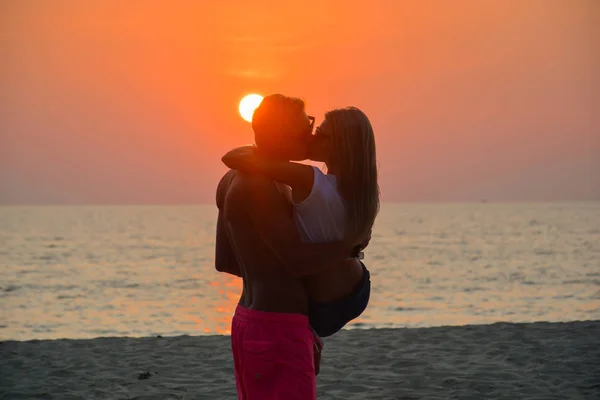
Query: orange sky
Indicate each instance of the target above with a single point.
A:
(107, 101)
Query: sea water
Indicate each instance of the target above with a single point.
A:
(82, 272)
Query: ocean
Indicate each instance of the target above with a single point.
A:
(93, 271)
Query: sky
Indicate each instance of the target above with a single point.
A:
(134, 102)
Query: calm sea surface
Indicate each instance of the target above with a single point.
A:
(82, 272)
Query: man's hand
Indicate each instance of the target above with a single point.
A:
(318, 349)
(357, 251)
(366, 241)
(317, 358)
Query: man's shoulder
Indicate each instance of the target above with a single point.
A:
(223, 187)
(252, 190)
(251, 182)
(227, 177)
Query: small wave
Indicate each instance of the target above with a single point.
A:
(435, 298)
(190, 283)
(66, 297)
(53, 288)
(474, 289)
(408, 309)
(563, 296)
(359, 324)
(28, 271)
(46, 257)
(10, 288)
(107, 332)
(485, 279)
(582, 282)
(118, 284)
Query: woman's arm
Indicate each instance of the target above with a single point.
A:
(266, 208)
(299, 177)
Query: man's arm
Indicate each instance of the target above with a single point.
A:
(266, 208)
(225, 260)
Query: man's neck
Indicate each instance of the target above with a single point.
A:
(268, 155)
(330, 169)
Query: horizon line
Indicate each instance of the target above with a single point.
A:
(405, 202)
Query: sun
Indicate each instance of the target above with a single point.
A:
(248, 105)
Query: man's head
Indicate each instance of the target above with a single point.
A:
(281, 127)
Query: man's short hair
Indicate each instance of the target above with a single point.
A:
(273, 118)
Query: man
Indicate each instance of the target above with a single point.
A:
(257, 240)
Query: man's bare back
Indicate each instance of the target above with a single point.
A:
(268, 285)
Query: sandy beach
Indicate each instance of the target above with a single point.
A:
(498, 361)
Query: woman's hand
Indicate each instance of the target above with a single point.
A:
(366, 240)
(357, 251)
(241, 158)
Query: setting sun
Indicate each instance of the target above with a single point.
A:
(248, 105)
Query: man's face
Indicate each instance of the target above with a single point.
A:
(297, 137)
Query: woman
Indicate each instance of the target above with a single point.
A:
(329, 207)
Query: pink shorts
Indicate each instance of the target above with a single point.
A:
(273, 356)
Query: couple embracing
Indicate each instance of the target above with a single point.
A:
(295, 236)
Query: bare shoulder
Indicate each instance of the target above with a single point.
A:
(248, 184)
(223, 187)
(252, 190)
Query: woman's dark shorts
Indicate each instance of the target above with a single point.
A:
(327, 319)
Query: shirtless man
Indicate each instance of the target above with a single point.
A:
(257, 240)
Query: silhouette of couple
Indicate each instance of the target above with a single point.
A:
(295, 236)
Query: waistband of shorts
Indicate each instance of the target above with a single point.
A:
(248, 315)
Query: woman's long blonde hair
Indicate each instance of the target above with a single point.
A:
(354, 159)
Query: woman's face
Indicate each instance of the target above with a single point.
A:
(320, 145)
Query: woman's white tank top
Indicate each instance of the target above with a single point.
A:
(321, 216)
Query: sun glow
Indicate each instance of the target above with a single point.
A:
(248, 105)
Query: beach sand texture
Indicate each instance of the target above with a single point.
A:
(498, 361)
